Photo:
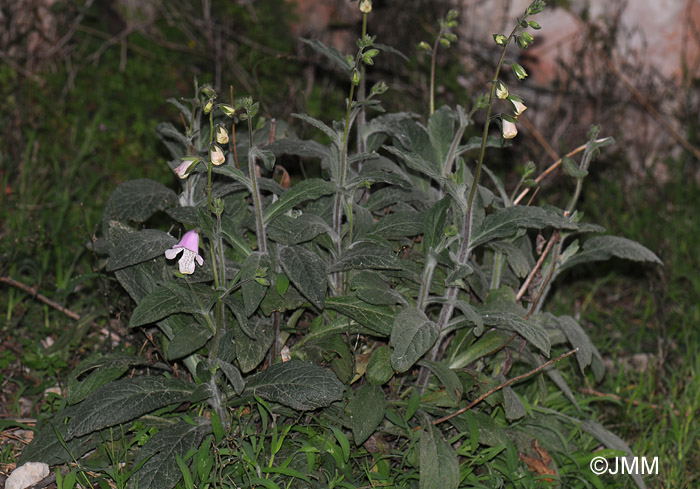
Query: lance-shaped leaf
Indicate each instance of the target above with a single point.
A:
(310, 189)
(532, 331)
(398, 225)
(373, 289)
(290, 231)
(448, 377)
(250, 350)
(413, 334)
(601, 248)
(160, 470)
(97, 371)
(367, 412)
(253, 291)
(506, 222)
(434, 223)
(307, 271)
(126, 399)
(439, 466)
(367, 257)
(415, 162)
(163, 301)
(377, 318)
(137, 200)
(441, 130)
(299, 385)
(128, 247)
(329, 52)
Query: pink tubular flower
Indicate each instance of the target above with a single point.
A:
(189, 246)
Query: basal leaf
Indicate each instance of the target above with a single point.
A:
(307, 271)
(367, 412)
(439, 466)
(126, 399)
(310, 189)
(97, 371)
(299, 385)
(412, 335)
(160, 470)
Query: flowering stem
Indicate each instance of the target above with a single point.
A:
(259, 226)
(432, 70)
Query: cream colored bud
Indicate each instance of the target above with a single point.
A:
(217, 155)
(518, 106)
(501, 90)
(510, 130)
(365, 6)
(221, 135)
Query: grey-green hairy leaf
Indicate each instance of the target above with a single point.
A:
(162, 302)
(377, 318)
(290, 231)
(160, 470)
(129, 247)
(413, 334)
(253, 291)
(310, 189)
(299, 385)
(126, 399)
(439, 466)
(137, 200)
(97, 371)
(367, 257)
(399, 225)
(453, 386)
(367, 412)
(307, 271)
(601, 248)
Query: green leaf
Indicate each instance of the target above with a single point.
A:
(97, 371)
(187, 339)
(601, 248)
(572, 168)
(162, 302)
(363, 256)
(233, 375)
(298, 147)
(137, 200)
(126, 399)
(453, 386)
(128, 247)
(252, 291)
(367, 412)
(415, 162)
(495, 314)
(512, 405)
(377, 318)
(299, 385)
(579, 339)
(489, 342)
(379, 369)
(310, 189)
(329, 52)
(159, 455)
(251, 350)
(439, 466)
(441, 129)
(413, 334)
(371, 288)
(290, 231)
(434, 223)
(515, 256)
(399, 225)
(307, 271)
(506, 222)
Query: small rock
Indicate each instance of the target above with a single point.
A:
(27, 475)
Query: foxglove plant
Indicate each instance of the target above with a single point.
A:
(388, 298)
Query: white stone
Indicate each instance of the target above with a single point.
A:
(27, 475)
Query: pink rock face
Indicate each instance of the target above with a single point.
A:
(657, 33)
